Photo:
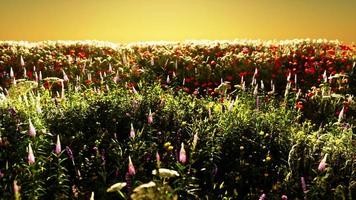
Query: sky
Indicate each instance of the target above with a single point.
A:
(123, 21)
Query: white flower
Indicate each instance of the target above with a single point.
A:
(116, 187)
(165, 173)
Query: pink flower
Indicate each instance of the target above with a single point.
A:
(132, 131)
(110, 68)
(58, 148)
(22, 62)
(131, 167)
(16, 189)
(30, 157)
(65, 77)
(168, 79)
(262, 197)
(150, 117)
(284, 197)
(304, 186)
(31, 129)
(11, 72)
(341, 115)
(158, 159)
(322, 163)
(182, 154)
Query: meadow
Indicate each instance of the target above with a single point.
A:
(242, 119)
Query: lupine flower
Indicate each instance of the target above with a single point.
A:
(11, 72)
(255, 91)
(295, 80)
(341, 115)
(262, 85)
(92, 196)
(231, 105)
(1, 174)
(110, 68)
(31, 129)
(284, 197)
(16, 189)
(158, 159)
(195, 140)
(40, 76)
(289, 76)
(168, 79)
(132, 131)
(24, 73)
(131, 167)
(116, 77)
(134, 90)
(322, 163)
(58, 148)
(65, 77)
(304, 186)
(325, 77)
(22, 62)
(182, 154)
(150, 117)
(262, 197)
(257, 103)
(70, 154)
(30, 157)
(36, 77)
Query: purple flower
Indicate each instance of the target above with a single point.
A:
(131, 167)
(322, 164)
(182, 154)
(31, 129)
(70, 154)
(58, 148)
(30, 157)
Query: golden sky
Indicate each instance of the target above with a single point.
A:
(147, 20)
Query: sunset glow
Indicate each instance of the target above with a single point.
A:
(142, 20)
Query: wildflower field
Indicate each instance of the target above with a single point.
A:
(194, 120)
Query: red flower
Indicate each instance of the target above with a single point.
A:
(229, 77)
(81, 55)
(72, 52)
(310, 70)
(299, 105)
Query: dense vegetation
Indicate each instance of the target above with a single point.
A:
(228, 120)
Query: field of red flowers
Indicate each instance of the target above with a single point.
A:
(195, 120)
